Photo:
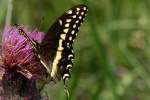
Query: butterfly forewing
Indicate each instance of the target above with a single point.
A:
(56, 51)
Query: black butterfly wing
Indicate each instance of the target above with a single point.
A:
(56, 51)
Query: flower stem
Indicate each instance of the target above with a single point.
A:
(9, 13)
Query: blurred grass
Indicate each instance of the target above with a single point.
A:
(112, 48)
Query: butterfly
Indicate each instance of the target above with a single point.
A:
(55, 52)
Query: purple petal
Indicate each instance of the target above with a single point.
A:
(35, 35)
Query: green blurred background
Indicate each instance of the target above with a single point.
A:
(112, 48)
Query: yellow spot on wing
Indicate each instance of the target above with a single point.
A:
(63, 36)
(80, 17)
(66, 30)
(78, 9)
(82, 13)
(73, 31)
(74, 26)
(66, 76)
(69, 12)
(68, 20)
(70, 38)
(69, 66)
(74, 16)
(77, 12)
(70, 56)
(67, 25)
(77, 21)
(84, 8)
(60, 21)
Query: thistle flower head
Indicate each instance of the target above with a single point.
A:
(19, 66)
(17, 53)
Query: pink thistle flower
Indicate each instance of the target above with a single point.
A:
(18, 62)
(17, 53)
